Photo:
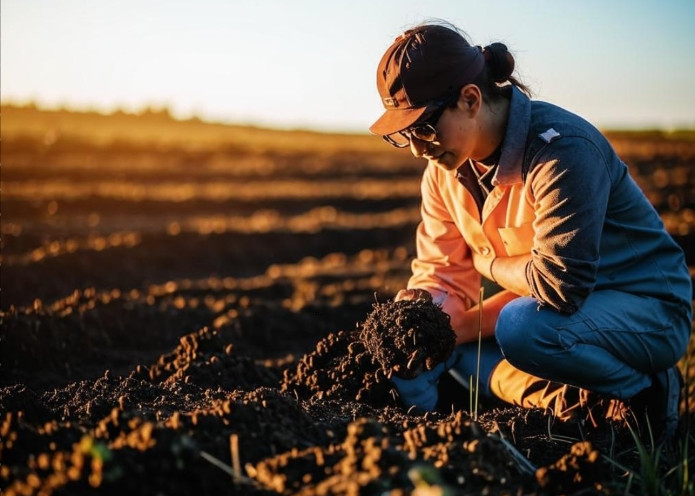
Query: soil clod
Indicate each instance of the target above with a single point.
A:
(408, 336)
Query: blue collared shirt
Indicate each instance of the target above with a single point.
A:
(594, 228)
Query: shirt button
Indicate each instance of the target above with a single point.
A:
(485, 250)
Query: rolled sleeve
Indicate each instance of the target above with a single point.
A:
(443, 265)
(570, 186)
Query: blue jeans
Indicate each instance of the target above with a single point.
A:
(612, 345)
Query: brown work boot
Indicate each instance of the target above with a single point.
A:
(657, 408)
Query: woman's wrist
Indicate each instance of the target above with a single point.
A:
(492, 276)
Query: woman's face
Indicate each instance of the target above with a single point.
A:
(457, 132)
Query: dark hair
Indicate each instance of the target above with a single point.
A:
(496, 74)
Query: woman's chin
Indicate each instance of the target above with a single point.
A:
(446, 162)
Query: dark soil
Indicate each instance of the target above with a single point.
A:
(140, 359)
(325, 422)
(409, 336)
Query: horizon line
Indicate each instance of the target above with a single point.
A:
(166, 111)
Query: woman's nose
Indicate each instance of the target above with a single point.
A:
(418, 147)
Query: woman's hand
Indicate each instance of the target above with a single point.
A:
(412, 295)
(421, 391)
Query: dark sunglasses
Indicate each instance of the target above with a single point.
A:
(425, 130)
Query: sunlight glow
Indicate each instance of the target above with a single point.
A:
(311, 64)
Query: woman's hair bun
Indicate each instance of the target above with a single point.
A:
(499, 61)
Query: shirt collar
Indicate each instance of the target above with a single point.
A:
(514, 145)
(484, 178)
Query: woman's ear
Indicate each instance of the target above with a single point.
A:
(470, 99)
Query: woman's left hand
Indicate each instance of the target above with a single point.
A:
(508, 272)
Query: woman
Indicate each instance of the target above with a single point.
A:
(594, 292)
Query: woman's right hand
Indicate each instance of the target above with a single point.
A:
(412, 295)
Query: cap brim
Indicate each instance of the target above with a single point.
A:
(394, 120)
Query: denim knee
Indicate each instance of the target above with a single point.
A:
(515, 330)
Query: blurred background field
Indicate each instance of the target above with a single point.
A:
(128, 200)
(122, 199)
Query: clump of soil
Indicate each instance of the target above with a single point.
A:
(407, 337)
(339, 368)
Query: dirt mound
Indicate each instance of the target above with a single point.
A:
(408, 336)
(340, 369)
(207, 359)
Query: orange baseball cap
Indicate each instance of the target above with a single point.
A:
(421, 67)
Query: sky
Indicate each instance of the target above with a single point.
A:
(312, 63)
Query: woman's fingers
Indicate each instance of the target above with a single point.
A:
(413, 294)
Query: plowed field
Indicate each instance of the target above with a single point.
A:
(180, 316)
